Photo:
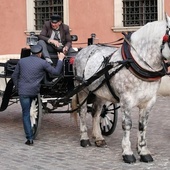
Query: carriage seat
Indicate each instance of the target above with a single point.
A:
(10, 67)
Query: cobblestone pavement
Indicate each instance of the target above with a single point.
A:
(57, 145)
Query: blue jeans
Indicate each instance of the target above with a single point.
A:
(26, 105)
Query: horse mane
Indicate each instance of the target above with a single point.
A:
(150, 31)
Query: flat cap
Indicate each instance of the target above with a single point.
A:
(56, 18)
(35, 49)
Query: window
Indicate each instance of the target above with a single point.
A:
(138, 13)
(129, 15)
(39, 11)
(44, 9)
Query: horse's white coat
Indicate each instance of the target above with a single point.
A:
(132, 91)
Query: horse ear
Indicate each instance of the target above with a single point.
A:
(167, 17)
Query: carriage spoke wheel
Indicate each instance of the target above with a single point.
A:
(36, 115)
(108, 120)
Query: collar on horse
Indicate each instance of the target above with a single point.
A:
(135, 68)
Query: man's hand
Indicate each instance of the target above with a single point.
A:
(65, 50)
(61, 56)
(54, 42)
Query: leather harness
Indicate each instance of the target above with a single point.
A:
(137, 70)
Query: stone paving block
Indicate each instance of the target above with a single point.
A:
(57, 146)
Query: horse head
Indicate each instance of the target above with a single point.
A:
(150, 44)
(165, 47)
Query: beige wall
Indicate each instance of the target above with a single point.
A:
(167, 6)
(85, 17)
(94, 16)
(13, 25)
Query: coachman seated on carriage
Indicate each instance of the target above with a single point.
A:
(55, 37)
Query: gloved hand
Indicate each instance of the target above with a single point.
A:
(49, 60)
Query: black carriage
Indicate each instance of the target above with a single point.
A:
(56, 92)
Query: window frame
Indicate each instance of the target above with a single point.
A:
(31, 17)
(118, 17)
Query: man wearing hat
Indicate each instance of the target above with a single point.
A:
(54, 37)
(27, 76)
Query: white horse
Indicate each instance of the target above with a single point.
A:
(132, 78)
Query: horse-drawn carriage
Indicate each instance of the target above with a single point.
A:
(56, 92)
(129, 75)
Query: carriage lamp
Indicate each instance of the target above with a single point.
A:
(93, 39)
(32, 39)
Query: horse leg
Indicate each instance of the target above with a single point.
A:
(84, 139)
(127, 154)
(145, 155)
(96, 131)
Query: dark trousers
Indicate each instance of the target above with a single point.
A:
(47, 49)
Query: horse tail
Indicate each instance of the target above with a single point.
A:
(74, 107)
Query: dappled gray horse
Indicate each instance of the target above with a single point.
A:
(132, 78)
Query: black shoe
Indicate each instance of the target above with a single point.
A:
(29, 142)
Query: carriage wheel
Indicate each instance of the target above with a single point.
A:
(36, 115)
(108, 120)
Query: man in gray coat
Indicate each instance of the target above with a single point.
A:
(54, 37)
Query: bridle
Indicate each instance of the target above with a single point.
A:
(166, 37)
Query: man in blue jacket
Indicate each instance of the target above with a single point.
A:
(27, 77)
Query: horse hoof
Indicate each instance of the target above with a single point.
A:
(85, 143)
(146, 158)
(129, 159)
(100, 143)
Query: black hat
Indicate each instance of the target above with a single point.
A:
(35, 49)
(55, 18)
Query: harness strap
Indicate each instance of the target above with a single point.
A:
(109, 76)
(111, 89)
(86, 83)
(79, 104)
(113, 43)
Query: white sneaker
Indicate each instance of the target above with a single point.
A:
(49, 60)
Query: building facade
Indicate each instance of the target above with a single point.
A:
(106, 18)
